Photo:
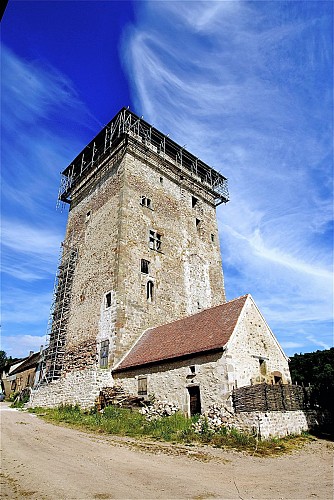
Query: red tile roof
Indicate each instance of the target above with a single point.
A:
(205, 331)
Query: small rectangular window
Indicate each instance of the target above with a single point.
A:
(144, 266)
(104, 353)
(142, 386)
(212, 237)
(154, 240)
(161, 180)
(88, 214)
(198, 223)
(150, 291)
(108, 300)
(194, 201)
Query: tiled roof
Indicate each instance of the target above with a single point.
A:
(205, 331)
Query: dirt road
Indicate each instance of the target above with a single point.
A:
(44, 461)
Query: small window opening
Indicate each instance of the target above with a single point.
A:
(194, 201)
(144, 266)
(277, 380)
(192, 369)
(263, 367)
(142, 386)
(161, 180)
(146, 202)
(88, 214)
(154, 240)
(212, 237)
(149, 291)
(198, 222)
(104, 353)
(108, 300)
(199, 305)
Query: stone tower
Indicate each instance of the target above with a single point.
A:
(141, 246)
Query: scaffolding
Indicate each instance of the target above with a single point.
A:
(127, 125)
(54, 353)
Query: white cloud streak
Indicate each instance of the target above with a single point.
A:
(247, 86)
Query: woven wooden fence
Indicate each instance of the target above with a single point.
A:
(264, 397)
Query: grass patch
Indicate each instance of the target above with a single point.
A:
(175, 429)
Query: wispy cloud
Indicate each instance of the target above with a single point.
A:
(247, 85)
(41, 111)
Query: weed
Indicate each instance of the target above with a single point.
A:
(176, 429)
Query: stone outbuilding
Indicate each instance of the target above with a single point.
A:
(197, 361)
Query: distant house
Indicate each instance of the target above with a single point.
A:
(198, 360)
(6, 375)
(24, 374)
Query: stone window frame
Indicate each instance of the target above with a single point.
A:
(154, 240)
(150, 291)
(146, 202)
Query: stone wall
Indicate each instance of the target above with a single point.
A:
(80, 387)
(253, 352)
(271, 424)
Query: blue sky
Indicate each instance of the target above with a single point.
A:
(246, 85)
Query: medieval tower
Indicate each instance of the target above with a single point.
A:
(141, 248)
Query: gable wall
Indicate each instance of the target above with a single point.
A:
(252, 340)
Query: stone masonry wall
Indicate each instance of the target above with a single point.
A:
(80, 387)
(169, 381)
(270, 424)
(186, 272)
(251, 342)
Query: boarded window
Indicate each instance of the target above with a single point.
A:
(144, 266)
(104, 353)
(142, 386)
(154, 240)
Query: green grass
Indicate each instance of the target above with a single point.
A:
(176, 429)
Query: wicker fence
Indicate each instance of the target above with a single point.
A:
(264, 397)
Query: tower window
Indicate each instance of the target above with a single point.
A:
(146, 202)
(194, 201)
(144, 266)
(88, 214)
(212, 237)
(154, 240)
(198, 223)
(149, 291)
(104, 353)
(108, 300)
(161, 180)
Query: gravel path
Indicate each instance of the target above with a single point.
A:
(45, 461)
